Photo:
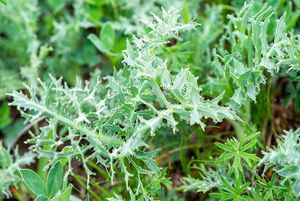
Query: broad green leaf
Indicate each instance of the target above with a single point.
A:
(54, 179)
(65, 196)
(5, 158)
(151, 165)
(41, 198)
(296, 188)
(97, 42)
(13, 131)
(4, 115)
(107, 36)
(33, 182)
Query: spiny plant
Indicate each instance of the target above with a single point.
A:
(26, 55)
(177, 71)
(257, 44)
(255, 48)
(138, 10)
(284, 159)
(9, 165)
(112, 122)
(36, 26)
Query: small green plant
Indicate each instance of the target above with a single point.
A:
(51, 189)
(237, 177)
(149, 100)
(9, 165)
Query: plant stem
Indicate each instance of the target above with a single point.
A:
(186, 14)
(238, 129)
(110, 140)
(82, 183)
(157, 91)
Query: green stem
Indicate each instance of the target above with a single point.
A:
(157, 91)
(238, 129)
(229, 8)
(182, 152)
(115, 9)
(20, 196)
(42, 163)
(110, 140)
(82, 183)
(186, 14)
(97, 168)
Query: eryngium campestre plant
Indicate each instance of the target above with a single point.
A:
(112, 121)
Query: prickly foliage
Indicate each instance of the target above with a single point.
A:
(9, 164)
(259, 46)
(284, 158)
(115, 126)
(112, 122)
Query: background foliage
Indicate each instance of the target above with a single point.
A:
(149, 100)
